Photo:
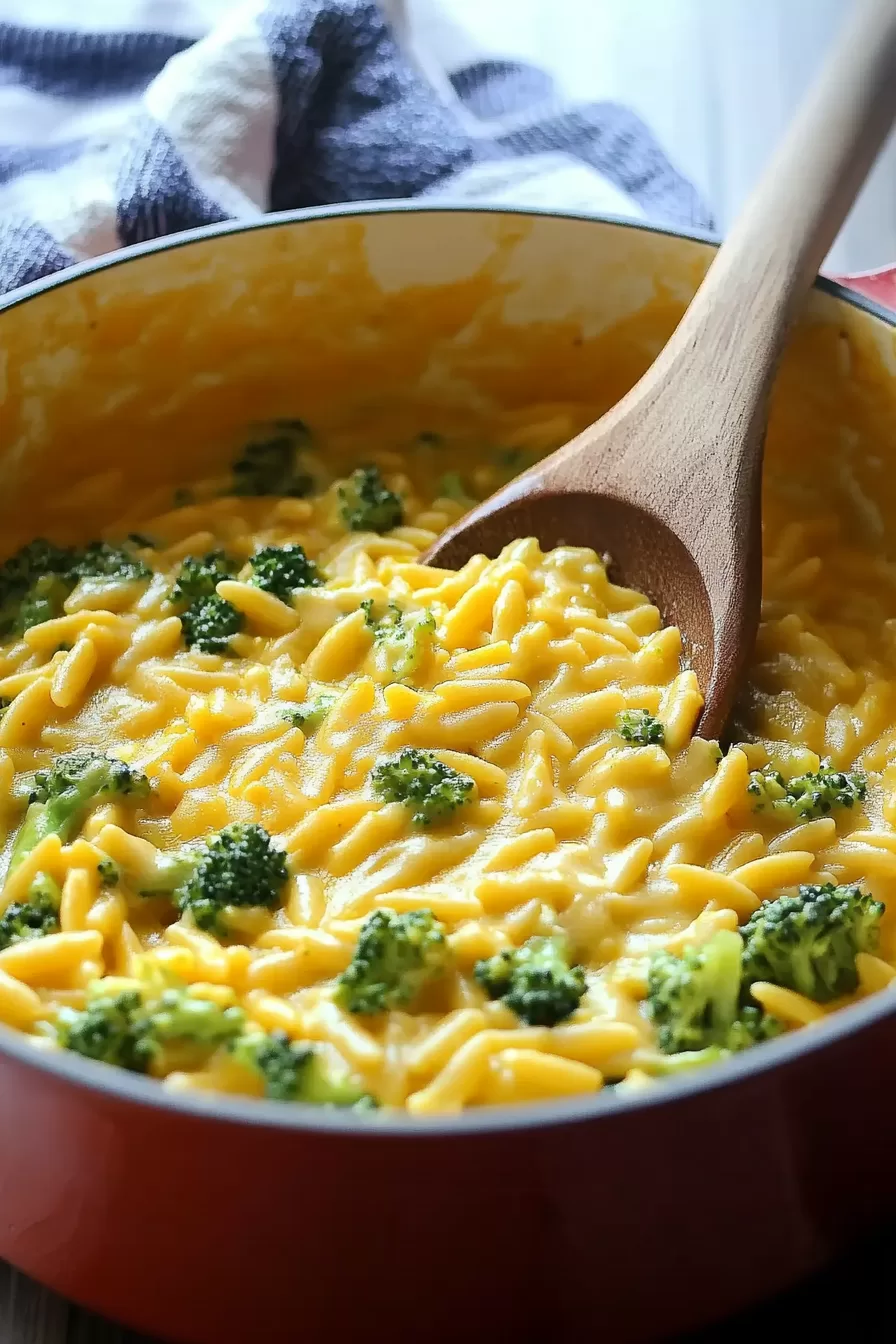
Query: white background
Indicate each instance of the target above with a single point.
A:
(717, 80)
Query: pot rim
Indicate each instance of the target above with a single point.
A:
(224, 1108)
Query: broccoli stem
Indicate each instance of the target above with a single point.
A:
(66, 794)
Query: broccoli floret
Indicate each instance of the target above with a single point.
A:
(43, 601)
(640, 728)
(451, 486)
(63, 795)
(34, 560)
(694, 1000)
(751, 1027)
(418, 779)
(199, 576)
(809, 942)
(109, 871)
(396, 956)
(99, 560)
(273, 466)
(282, 569)
(402, 639)
(113, 1028)
(34, 918)
(89, 774)
(181, 1016)
(366, 503)
(536, 981)
(239, 865)
(312, 714)
(813, 794)
(5, 702)
(35, 582)
(292, 1071)
(129, 1023)
(210, 623)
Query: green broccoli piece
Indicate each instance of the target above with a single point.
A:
(418, 779)
(128, 1023)
(292, 1071)
(694, 1000)
(113, 1028)
(63, 796)
(34, 918)
(239, 865)
(179, 1016)
(451, 486)
(809, 942)
(109, 871)
(536, 981)
(89, 774)
(43, 601)
(813, 794)
(273, 466)
(100, 560)
(282, 569)
(751, 1027)
(5, 702)
(640, 728)
(199, 576)
(210, 623)
(397, 955)
(367, 505)
(402, 639)
(312, 714)
(34, 560)
(35, 582)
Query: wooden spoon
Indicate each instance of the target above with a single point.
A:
(668, 482)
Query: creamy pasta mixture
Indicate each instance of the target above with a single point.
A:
(560, 716)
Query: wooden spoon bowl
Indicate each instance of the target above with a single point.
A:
(640, 548)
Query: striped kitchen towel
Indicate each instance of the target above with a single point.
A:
(137, 118)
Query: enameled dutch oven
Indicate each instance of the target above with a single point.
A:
(212, 1221)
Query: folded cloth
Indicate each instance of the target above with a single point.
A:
(116, 136)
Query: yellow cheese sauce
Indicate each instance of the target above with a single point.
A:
(616, 848)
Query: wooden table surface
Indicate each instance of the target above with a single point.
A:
(845, 1302)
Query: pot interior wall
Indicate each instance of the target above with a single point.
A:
(141, 375)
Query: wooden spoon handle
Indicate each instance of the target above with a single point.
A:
(686, 441)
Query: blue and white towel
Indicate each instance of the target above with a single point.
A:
(142, 117)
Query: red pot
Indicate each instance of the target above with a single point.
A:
(879, 285)
(216, 1221)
